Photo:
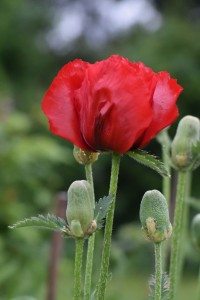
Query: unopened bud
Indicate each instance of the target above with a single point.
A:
(80, 207)
(187, 136)
(154, 216)
(84, 157)
(196, 231)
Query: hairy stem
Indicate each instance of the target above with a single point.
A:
(91, 242)
(108, 229)
(164, 139)
(89, 177)
(176, 237)
(166, 187)
(184, 229)
(78, 269)
(166, 180)
(89, 267)
(158, 271)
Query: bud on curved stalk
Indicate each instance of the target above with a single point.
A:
(80, 209)
(187, 136)
(84, 157)
(154, 216)
(195, 229)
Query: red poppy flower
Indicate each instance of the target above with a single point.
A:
(113, 104)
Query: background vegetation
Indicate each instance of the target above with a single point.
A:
(35, 166)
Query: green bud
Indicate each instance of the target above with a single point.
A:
(154, 216)
(80, 207)
(84, 157)
(196, 231)
(187, 136)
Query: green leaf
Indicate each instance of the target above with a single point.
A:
(149, 161)
(50, 221)
(101, 209)
(165, 287)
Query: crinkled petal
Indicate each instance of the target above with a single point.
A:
(59, 103)
(165, 110)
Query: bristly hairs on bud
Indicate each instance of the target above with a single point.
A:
(183, 152)
(154, 216)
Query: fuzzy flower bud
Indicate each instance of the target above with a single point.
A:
(80, 208)
(154, 216)
(187, 136)
(196, 231)
(84, 157)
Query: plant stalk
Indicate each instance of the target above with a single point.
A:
(176, 237)
(89, 267)
(89, 177)
(91, 242)
(165, 142)
(186, 210)
(166, 180)
(158, 271)
(166, 186)
(108, 229)
(78, 269)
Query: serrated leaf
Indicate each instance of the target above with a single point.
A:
(164, 288)
(101, 209)
(50, 221)
(149, 161)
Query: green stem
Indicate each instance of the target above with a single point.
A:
(164, 139)
(198, 287)
(78, 269)
(166, 187)
(158, 271)
(89, 267)
(108, 229)
(89, 177)
(184, 229)
(166, 180)
(176, 237)
(91, 241)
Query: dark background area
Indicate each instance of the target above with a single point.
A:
(36, 39)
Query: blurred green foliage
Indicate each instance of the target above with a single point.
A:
(34, 165)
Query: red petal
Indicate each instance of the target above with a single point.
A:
(59, 103)
(116, 104)
(165, 110)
